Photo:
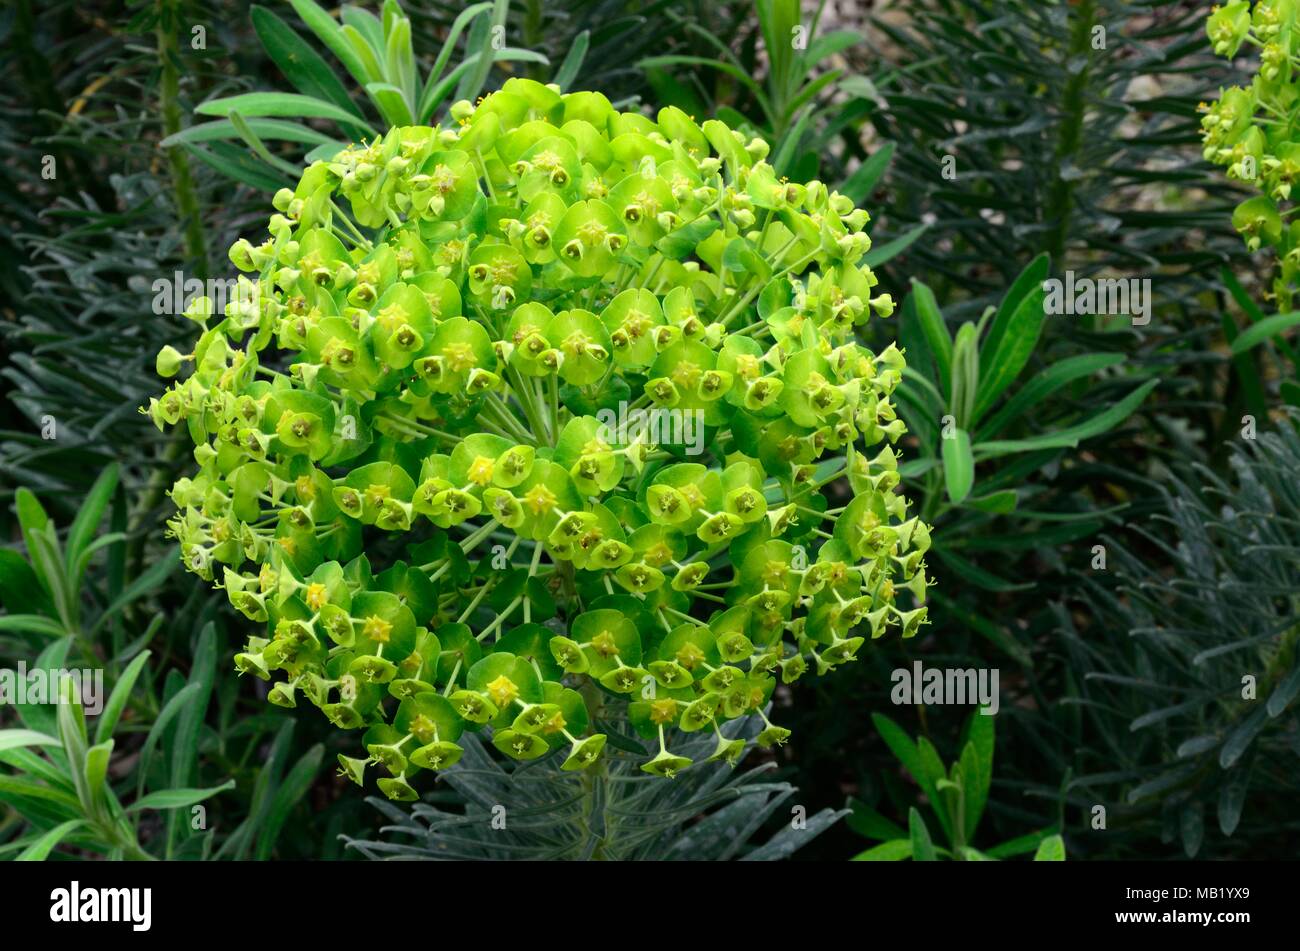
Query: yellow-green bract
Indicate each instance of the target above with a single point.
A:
(447, 447)
(1252, 131)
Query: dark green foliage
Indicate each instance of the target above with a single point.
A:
(534, 811)
(1072, 129)
(1185, 655)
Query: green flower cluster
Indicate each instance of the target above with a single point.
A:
(1253, 131)
(421, 372)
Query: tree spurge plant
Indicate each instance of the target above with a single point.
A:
(432, 382)
(1251, 129)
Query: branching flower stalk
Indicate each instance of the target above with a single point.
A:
(415, 459)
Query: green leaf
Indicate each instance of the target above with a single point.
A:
(13, 786)
(683, 242)
(862, 182)
(958, 466)
(1017, 339)
(235, 163)
(97, 760)
(1021, 844)
(965, 373)
(33, 623)
(365, 24)
(984, 627)
(869, 823)
(880, 254)
(893, 851)
(978, 769)
(42, 717)
(1239, 740)
(43, 846)
(428, 100)
(1232, 797)
(258, 104)
(224, 130)
(299, 63)
(938, 340)
(390, 102)
(156, 575)
(480, 40)
(293, 788)
(1072, 436)
(922, 846)
(20, 591)
(995, 503)
(117, 700)
(1030, 279)
(258, 147)
(178, 798)
(184, 740)
(568, 71)
(89, 516)
(1042, 385)
(12, 739)
(973, 573)
(918, 762)
(1266, 329)
(735, 72)
(399, 58)
(31, 515)
(171, 708)
(1052, 849)
(329, 32)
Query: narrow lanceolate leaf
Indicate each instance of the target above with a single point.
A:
(177, 798)
(482, 40)
(235, 163)
(1072, 436)
(937, 339)
(329, 32)
(1000, 365)
(224, 130)
(11, 739)
(300, 64)
(1266, 329)
(880, 254)
(89, 516)
(43, 846)
(979, 769)
(958, 466)
(568, 70)
(117, 700)
(862, 182)
(1042, 385)
(257, 104)
(294, 787)
(427, 99)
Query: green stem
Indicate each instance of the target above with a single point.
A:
(186, 198)
(1061, 198)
